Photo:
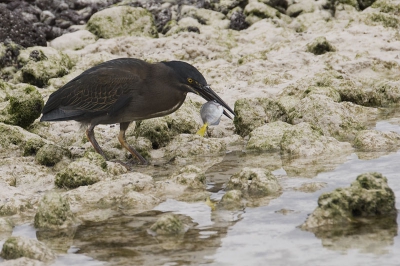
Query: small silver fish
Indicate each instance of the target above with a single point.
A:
(210, 113)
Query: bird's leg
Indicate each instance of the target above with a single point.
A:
(90, 136)
(121, 137)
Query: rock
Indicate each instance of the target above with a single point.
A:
(43, 63)
(17, 247)
(267, 137)
(256, 11)
(255, 112)
(238, 21)
(54, 212)
(185, 145)
(379, 93)
(231, 200)
(122, 21)
(369, 196)
(169, 224)
(304, 6)
(254, 182)
(15, 206)
(225, 6)
(304, 140)
(6, 225)
(206, 16)
(340, 120)
(320, 45)
(13, 139)
(327, 91)
(73, 41)
(51, 154)
(376, 141)
(187, 24)
(15, 28)
(161, 130)
(22, 104)
(83, 172)
(31, 146)
(190, 176)
(311, 187)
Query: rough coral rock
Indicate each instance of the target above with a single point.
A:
(255, 182)
(54, 212)
(169, 224)
(368, 196)
(39, 64)
(267, 137)
(17, 247)
(83, 172)
(304, 140)
(122, 21)
(21, 105)
(373, 140)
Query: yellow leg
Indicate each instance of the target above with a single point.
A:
(202, 130)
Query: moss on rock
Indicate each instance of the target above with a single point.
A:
(169, 224)
(254, 182)
(50, 154)
(23, 104)
(83, 172)
(320, 45)
(53, 212)
(255, 112)
(267, 137)
(231, 200)
(16, 247)
(43, 63)
(190, 176)
(122, 21)
(368, 196)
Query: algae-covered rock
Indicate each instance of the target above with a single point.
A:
(15, 206)
(186, 145)
(376, 93)
(54, 212)
(190, 176)
(73, 41)
(16, 247)
(50, 154)
(231, 200)
(320, 45)
(169, 224)
(43, 63)
(22, 104)
(13, 139)
(6, 225)
(368, 196)
(374, 141)
(267, 137)
(256, 11)
(255, 112)
(205, 16)
(255, 182)
(161, 130)
(304, 140)
(31, 146)
(340, 120)
(83, 172)
(327, 91)
(122, 21)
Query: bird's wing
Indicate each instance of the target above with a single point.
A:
(106, 88)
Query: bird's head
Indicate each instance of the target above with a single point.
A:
(193, 81)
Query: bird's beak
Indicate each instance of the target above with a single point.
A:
(207, 93)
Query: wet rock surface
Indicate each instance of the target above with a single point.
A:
(368, 196)
(17, 247)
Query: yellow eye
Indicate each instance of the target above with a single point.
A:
(190, 80)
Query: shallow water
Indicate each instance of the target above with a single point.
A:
(266, 234)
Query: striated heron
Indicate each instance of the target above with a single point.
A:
(125, 90)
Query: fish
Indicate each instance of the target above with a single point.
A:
(210, 113)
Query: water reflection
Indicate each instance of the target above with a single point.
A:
(372, 235)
